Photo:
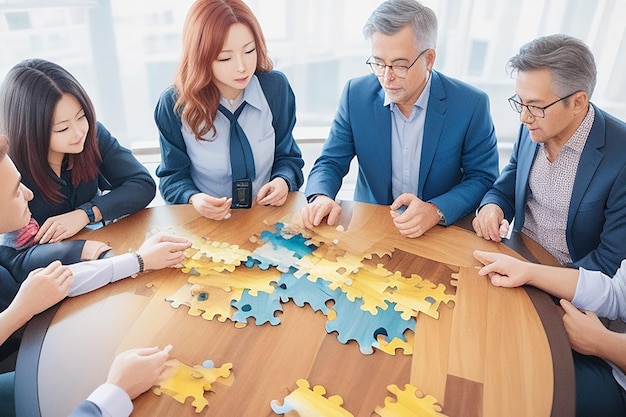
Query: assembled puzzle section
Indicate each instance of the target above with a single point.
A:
(363, 301)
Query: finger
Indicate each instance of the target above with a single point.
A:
(569, 307)
(333, 216)
(51, 268)
(145, 351)
(504, 228)
(319, 212)
(483, 257)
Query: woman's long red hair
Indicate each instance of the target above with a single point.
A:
(204, 34)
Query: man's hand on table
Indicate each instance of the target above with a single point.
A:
(322, 206)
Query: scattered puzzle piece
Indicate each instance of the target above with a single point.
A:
(187, 381)
(409, 404)
(303, 291)
(262, 308)
(352, 323)
(252, 279)
(396, 343)
(307, 402)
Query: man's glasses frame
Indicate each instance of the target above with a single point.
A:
(534, 111)
(400, 71)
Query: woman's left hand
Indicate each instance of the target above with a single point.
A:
(61, 227)
(274, 193)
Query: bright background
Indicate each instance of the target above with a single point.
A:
(125, 51)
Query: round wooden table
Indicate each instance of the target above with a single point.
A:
(492, 352)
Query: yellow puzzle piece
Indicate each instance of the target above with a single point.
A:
(187, 381)
(309, 402)
(408, 404)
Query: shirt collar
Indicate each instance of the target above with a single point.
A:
(252, 94)
(422, 100)
(579, 138)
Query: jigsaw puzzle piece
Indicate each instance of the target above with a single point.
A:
(307, 402)
(220, 252)
(262, 307)
(369, 285)
(203, 265)
(396, 343)
(413, 299)
(182, 297)
(301, 290)
(335, 272)
(253, 279)
(353, 323)
(186, 381)
(296, 243)
(212, 302)
(269, 255)
(409, 404)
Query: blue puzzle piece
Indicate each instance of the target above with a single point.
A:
(302, 290)
(262, 307)
(296, 244)
(353, 323)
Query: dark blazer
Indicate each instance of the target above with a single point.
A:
(596, 219)
(176, 184)
(459, 159)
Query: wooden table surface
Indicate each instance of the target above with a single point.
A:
(493, 352)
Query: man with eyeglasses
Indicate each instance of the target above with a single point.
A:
(565, 184)
(425, 142)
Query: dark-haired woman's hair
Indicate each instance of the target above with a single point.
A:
(28, 96)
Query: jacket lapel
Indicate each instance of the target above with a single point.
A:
(433, 125)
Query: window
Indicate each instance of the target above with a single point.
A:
(125, 52)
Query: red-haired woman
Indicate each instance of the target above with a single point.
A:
(67, 158)
(225, 68)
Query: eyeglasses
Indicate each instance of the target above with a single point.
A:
(534, 111)
(400, 71)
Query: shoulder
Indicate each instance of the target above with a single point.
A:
(168, 96)
(365, 88)
(272, 79)
(611, 122)
(454, 87)
(103, 135)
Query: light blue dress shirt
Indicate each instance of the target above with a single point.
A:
(407, 135)
(606, 297)
(210, 159)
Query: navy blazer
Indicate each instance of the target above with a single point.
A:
(596, 219)
(459, 161)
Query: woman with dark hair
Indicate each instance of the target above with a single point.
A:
(66, 157)
(225, 126)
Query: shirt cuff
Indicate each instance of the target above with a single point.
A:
(112, 401)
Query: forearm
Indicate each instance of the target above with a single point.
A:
(92, 275)
(611, 346)
(11, 320)
(558, 281)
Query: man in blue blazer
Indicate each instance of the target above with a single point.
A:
(565, 184)
(425, 142)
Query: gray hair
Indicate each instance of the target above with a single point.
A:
(568, 59)
(393, 15)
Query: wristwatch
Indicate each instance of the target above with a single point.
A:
(90, 215)
(442, 218)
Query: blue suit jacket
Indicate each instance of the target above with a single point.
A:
(459, 160)
(596, 219)
(86, 409)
